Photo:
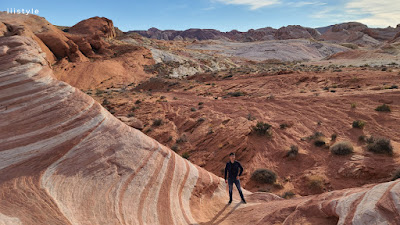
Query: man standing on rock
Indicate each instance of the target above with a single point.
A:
(232, 169)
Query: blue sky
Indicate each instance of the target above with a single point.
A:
(223, 15)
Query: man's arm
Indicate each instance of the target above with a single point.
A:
(226, 170)
(241, 169)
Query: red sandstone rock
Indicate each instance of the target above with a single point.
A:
(65, 160)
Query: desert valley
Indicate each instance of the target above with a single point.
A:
(100, 126)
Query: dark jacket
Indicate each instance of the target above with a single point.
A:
(232, 169)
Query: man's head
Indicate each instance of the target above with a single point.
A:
(232, 157)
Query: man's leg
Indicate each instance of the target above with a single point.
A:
(230, 185)
(237, 183)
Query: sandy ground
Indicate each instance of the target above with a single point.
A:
(201, 119)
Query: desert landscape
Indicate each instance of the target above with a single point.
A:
(101, 126)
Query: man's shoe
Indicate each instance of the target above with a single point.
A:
(230, 201)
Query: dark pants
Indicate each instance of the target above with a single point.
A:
(230, 185)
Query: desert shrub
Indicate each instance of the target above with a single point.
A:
(162, 97)
(131, 114)
(349, 45)
(293, 151)
(105, 102)
(333, 137)
(236, 94)
(362, 138)
(181, 139)
(265, 176)
(316, 183)
(283, 125)
(315, 135)
(380, 145)
(358, 124)
(193, 109)
(201, 119)
(186, 155)
(138, 101)
(353, 105)
(383, 108)
(262, 128)
(342, 148)
(175, 148)
(250, 117)
(396, 175)
(99, 92)
(288, 194)
(157, 122)
(201, 103)
(320, 141)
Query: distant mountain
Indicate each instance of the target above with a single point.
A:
(262, 34)
(351, 32)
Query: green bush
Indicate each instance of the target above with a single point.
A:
(262, 128)
(380, 145)
(265, 176)
(358, 124)
(342, 148)
(383, 108)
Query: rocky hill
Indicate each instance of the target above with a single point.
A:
(351, 32)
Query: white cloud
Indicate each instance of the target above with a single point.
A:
(303, 3)
(375, 13)
(254, 4)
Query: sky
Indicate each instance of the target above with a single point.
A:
(224, 15)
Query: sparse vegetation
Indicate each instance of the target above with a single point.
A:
(358, 124)
(185, 155)
(283, 125)
(293, 151)
(362, 138)
(181, 139)
(353, 105)
(380, 145)
(236, 94)
(333, 137)
(157, 122)
(201, 103)
(175, 148)
(320, 141)
(262, 128)
(288, 195)
(316, 183)
(105, 102)
(342, 148)
(250, 117)
(383, 108)
(138, 101)
(193, 109)
(265, 176)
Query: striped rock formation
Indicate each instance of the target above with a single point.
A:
(66, 160)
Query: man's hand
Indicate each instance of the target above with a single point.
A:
(237, 178)
(226, 181)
